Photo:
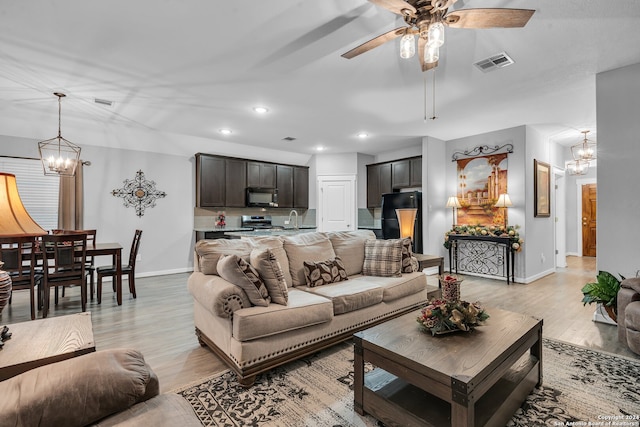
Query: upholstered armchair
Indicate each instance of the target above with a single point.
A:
(629, 313)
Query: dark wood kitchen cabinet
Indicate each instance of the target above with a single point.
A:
(236, 183)
(261, 175)
(222, 181)
(392, 176)
(284, 184)
(210, 181)
(400, 174)
(300, 187)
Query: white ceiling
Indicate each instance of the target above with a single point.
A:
(192, 67)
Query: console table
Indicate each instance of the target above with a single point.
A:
(490, 255)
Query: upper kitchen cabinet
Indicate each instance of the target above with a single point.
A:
(236, 182)
(301, 187)
(416, 172)
(210, 181)
(284, 184)
(261, 175)
(391, 176)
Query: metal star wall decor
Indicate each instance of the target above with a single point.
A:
(139, 192)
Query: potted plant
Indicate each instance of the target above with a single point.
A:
(604, 291)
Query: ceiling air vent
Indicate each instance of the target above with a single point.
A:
(496, 61)
(289, 138)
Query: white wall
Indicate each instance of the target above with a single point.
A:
(168, 237)
(436, 217)
(396, 154)
(618, 110)
(363, 161)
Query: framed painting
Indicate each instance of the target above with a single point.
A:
(541, 189)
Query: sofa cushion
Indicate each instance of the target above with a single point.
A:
(270, 271)
(210, 251)
(304, 309)
(77, 391)
(349, 296)
(163, 410)
(382, 258)
(396, 287)
(306, 247)
(236, 270)
(324, 272)
(349, 246)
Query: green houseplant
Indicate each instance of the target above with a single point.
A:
(603, 291)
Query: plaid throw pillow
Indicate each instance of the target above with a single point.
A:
(382, 258)
(324, 272)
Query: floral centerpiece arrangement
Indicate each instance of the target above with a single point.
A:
(510, 231)
(441, 317)
(220, 221)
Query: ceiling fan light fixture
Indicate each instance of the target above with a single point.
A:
(407, 46)
(435, 34)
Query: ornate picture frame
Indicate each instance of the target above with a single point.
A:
(541, 189)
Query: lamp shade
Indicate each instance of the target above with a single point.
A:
(453, 202)
(406, 221)
(14, 218)
(503, 201)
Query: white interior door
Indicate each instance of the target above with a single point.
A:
(337, 203)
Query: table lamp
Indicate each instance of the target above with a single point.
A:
(454, 204)
(406, 221)
(504, 202)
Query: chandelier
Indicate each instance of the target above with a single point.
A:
(583, 154)
(58, 155)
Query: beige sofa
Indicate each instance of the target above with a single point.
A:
(252, 339)
(105, 388)
(629, 313)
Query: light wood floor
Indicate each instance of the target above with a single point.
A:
(159, 322)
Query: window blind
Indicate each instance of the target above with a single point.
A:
(39, 193)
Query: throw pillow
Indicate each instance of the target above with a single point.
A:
(209, 252)
(349, 246)
(383, 258)
(303, 247)
(324, 272)
(235, 270)
(266, 264)
(407, 253)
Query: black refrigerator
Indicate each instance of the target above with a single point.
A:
(389, 219)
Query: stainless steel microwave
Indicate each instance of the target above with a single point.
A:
(262, 197)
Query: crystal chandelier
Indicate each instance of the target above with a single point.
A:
(583, 154)
(58, 155)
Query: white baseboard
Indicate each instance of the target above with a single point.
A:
(539, 275)
(572, 254)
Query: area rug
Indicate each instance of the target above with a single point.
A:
(580, 387)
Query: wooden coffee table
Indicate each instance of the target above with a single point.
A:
(460, 379)
(40, 342)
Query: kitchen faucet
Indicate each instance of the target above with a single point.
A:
(293, 211)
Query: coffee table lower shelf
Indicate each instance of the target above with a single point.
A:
(386, 396)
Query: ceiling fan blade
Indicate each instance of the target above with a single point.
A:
(400, 7)
(422, 42)
(380, 40)
(488, 18)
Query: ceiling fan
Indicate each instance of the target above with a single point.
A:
(427, 19)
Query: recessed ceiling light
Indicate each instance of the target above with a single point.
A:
(225, 131)
(260, 110)
(363, 135)
(320, 148)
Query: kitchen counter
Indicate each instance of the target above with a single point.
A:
(269, 232)
(203, 229)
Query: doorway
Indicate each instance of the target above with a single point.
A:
(337, 203)
(588, 219)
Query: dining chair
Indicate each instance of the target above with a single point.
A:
(129, 269)
(91, 266)
(64, 264)
(18, 255)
